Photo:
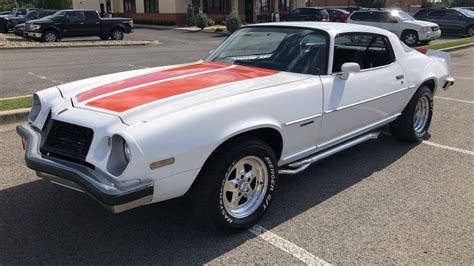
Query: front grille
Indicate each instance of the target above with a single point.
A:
(65, 140)
(434, 28)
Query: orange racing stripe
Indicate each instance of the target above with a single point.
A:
(147, 78)
(126, 100)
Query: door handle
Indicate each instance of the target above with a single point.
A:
(400, 77)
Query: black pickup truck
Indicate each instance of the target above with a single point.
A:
(77, 23)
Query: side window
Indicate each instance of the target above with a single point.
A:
(76, 16)
(366, 49)
(439, 13)
(453, 13)
(91, 16)
(386, 17)
(359, 16)
(296, 11)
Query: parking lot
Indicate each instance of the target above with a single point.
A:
(382, 202)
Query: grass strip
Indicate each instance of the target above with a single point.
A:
(449, 44)
(16, 103)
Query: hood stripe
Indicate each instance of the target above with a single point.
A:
(147, 78)
(129, 99)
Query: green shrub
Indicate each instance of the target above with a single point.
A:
(155, 22)
(190, 16)
(201, 20)
(211, 22)
(232, 22)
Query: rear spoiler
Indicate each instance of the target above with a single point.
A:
(446, 57)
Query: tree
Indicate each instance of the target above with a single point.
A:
(371, 3)
(7, 5)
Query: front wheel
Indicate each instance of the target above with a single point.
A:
(50, 36)
(235, 188)
(117, 34)
(412, 125)
(410, 37)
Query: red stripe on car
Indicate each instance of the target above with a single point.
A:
(147, 78)
(126, 100)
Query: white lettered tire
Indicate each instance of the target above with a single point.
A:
(236, 186)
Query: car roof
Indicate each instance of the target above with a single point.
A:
(333, 28)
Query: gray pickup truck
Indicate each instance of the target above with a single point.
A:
(77, 23)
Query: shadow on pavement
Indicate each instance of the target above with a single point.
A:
(42, 222)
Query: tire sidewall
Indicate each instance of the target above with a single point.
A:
(410, 32)
(50, 32)
(422, 92)
(112, 35)
(225, 220)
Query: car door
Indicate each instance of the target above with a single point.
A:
(439, 17)
(454, 20)
(91, 25)
(366, 99)
(73, 23)
(389, 22)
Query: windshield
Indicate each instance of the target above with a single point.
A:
(404, 16)
(466, 12)
(284, 49)
(59, 14)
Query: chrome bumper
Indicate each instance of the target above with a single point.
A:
(112, 195)
(33, 34)
(448, 83)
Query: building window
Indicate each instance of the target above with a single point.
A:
(264, 5)
(129, 6)
(151, 6)
(213, 6)
(284, 5)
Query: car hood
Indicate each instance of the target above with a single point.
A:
(40, 20)
(421, 23)
(142, 95)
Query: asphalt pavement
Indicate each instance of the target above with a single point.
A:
(382, 202)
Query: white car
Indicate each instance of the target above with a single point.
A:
(271, 99)
(402, 24)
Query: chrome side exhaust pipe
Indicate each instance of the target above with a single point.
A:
(301, 165)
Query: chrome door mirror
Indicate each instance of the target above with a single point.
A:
(348, 68)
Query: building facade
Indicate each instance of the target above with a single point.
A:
(250, 11)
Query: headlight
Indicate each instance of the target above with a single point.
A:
(126, 151)
(120, 155)
(35, 27)
(425, 29)
(35, 109)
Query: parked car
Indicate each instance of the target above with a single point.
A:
(452, 20)
(16, 12)
(307, 14)
(35, 14)
(5, 13)
(19, 30)
(468, 8)
(408, 29)
(338, 15)
(77, 23)
(272, 99)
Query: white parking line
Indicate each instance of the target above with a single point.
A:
(457, 64)
(448, 148)
(287, 246)
(455, 100)
(45, 78)
(463, 78)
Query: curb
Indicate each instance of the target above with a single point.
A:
(455, 48)
(77, 46)
(13, 116)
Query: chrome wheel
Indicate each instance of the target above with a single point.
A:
(410, 38)
(245, 186)
(117, 35)
(422, 114)
(50, 37)
(470, 32)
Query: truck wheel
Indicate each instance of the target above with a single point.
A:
(410, 37)
(236, 186)
(50, 36)
(117, 34)
(470, 31)
(412, 125)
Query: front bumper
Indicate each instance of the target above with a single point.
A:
(112, 195)
(429, 36)
(448, 83)
(33, 34)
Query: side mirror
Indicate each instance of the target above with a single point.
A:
(348, 68)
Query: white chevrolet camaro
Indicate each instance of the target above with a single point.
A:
(271, 99)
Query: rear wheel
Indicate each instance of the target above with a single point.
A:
(117, 34)
(50, 36)
(235, 188)
(412, 125)
(410, 37)
(470, 31)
